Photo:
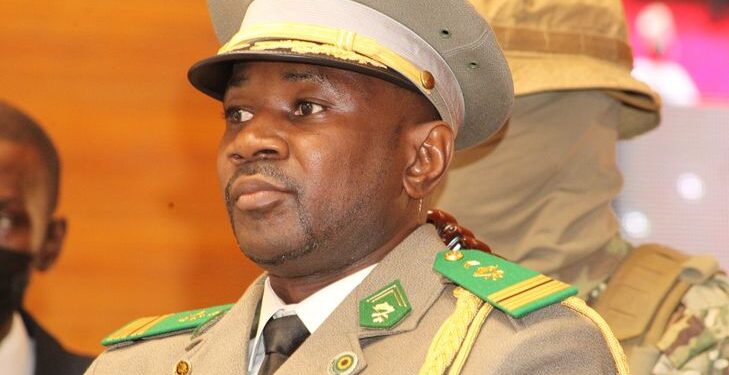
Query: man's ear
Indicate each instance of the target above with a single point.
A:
(433, 149)
(53, 244)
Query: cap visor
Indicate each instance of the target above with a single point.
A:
(211, 75)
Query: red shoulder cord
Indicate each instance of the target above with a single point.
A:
(453, 235)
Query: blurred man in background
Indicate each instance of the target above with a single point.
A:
(30, 238)
(543, 195)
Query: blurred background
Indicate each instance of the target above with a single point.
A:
(677, 176)
(148, 230)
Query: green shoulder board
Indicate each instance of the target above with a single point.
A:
(507, 286)
(164, 324)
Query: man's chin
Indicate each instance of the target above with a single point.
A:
(271, 213)
(265, 224)
(276, 258)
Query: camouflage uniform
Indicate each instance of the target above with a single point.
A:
(696, 340)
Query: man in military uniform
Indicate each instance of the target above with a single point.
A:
(30, 237)
(341, 117)
(542, 197)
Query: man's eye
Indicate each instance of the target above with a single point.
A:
(10, 221)
(237, 115)
(6, 223)
(307, 109)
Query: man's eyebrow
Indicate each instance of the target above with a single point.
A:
(6, 202)
(237, 80)
(307, 75)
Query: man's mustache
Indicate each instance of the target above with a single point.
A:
(263, 168)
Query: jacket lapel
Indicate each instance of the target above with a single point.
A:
(223, 349)
(412, 263)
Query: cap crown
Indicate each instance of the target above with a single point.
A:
(450, 29)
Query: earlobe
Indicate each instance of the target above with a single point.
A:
(430, 160)
(51, 248)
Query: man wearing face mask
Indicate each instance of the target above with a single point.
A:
(542, 197)
(30, 238)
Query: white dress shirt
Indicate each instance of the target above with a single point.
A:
(312, 311)
(17, 350)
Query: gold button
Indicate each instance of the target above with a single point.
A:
(453, 255)
(183, 367)
(427, 80)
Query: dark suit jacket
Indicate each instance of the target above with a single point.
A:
(50, 357)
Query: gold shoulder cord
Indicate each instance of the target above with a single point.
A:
(579, 306)
(455, 338)
(470, 339)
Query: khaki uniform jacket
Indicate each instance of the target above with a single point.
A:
(553, 340)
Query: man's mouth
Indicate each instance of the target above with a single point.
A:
(253, 193)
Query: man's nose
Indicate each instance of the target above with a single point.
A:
(259, 138)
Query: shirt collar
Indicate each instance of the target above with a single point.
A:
(17, 349)
(313, 310)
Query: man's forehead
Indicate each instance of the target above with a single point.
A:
(293, 72)
(13, 180)
(16, 154)
(328, 78)
(19, 163)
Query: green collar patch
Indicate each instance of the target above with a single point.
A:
(509, 287)
(164, 324)
(385, 307)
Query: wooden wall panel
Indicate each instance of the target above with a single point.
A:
(148, 230)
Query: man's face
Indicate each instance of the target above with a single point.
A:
(24, 219)
(24, 198)
(311, 164)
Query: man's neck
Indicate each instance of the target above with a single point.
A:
(296, 289)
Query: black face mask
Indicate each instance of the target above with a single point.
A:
(14, 276)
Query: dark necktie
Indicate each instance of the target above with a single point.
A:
(280, 338)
